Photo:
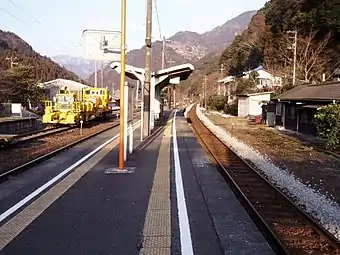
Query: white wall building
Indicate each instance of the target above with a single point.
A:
(55, 85)
(251, 104)
(266, 79)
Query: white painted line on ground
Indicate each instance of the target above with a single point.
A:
(184, 227)
(48, 184)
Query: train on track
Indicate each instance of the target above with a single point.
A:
(72, 107)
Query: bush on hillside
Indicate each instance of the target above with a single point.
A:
(231, 109)
(217, 103)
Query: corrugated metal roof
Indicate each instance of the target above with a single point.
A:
(325, 91)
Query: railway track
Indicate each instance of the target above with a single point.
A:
(24, 138)
(286, 227)
(25, 166)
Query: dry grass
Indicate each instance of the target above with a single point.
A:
(311, 166)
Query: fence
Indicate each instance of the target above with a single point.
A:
(5, 110)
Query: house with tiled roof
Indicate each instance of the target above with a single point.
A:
(295, 108)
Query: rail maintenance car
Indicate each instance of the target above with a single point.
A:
(70, 107)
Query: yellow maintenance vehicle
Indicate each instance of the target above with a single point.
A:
(70, 107)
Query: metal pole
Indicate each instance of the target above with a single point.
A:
(295, 49)
(137, 90)
(102, 75)
(142, 113)
(95, 74)
(122, 84)
(147, 85)
(126, 112)
(132, 121)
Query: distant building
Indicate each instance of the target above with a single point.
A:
(54, 86)
(250, 105)
(266, 79)
(295, 108)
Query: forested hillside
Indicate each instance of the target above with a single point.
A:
(267, 42)
(21, 68)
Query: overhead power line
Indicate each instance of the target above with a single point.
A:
(53, 32)
(158, 21)
(14, 17)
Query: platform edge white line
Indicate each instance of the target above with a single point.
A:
(38, 191)
(184, 226)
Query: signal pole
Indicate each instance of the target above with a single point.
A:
(12, 60)
(147, 83)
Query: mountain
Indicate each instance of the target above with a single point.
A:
(266, 42)
(184, 47)
(11, 45)
(80, 66)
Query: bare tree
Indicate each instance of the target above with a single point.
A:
(311, 58)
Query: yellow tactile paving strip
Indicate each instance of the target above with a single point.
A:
(157, 226)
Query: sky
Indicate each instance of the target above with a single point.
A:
(54, 27)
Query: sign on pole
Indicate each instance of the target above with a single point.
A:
(102, 45)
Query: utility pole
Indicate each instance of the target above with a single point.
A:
(147, 83)
(163, 53)
(295, 52)
(12, 60)
(205, 91)
(219, 85)
(171, 90)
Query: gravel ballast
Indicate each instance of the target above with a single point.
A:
(321, 207)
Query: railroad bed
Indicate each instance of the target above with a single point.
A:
(41, 146)
(287, 228)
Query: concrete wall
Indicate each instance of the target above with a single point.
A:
(242, 107)
(251, 105)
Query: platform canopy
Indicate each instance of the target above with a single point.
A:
(162, 78)
(134, 73)
(173, 75)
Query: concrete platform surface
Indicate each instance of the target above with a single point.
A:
(175, 202)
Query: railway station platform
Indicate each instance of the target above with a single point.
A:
(174, 202)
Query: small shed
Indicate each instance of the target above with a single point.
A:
(250, 105)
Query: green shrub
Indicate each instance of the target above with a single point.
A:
(328, 125)
(217, 103)
(231, 109)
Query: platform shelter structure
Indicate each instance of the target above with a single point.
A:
(159, 80)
